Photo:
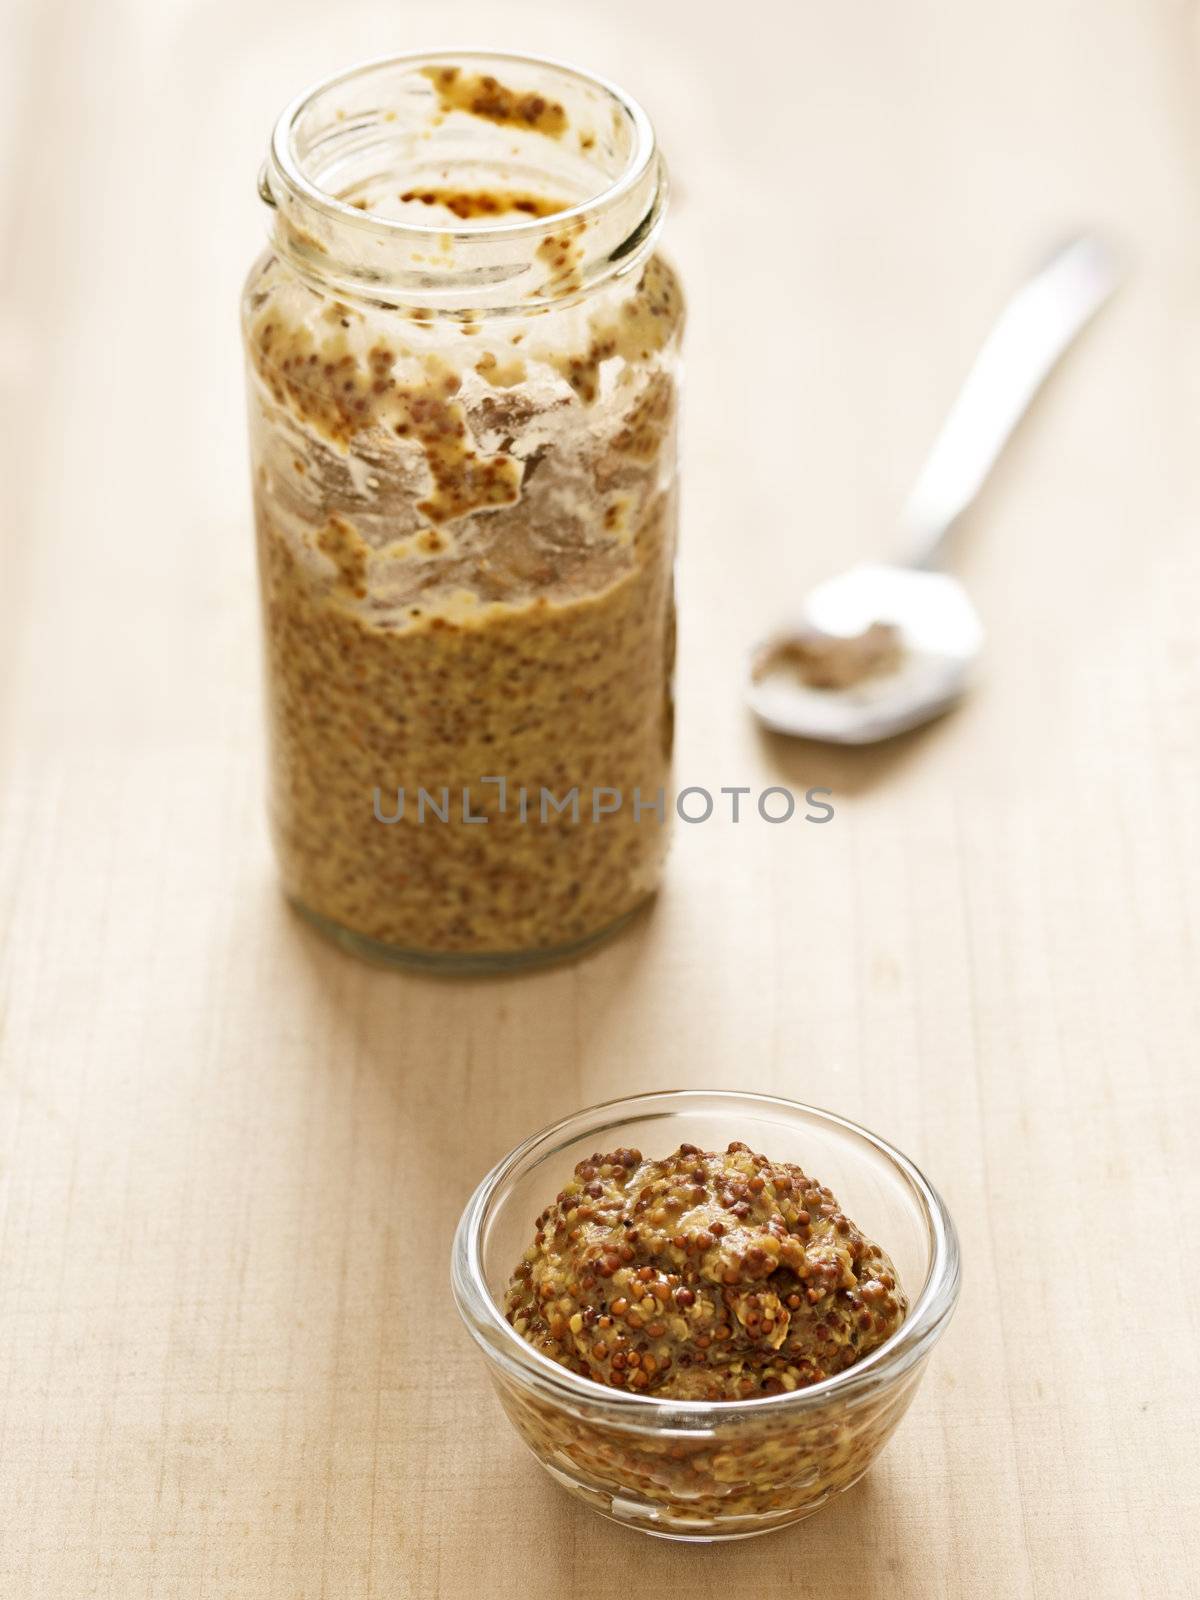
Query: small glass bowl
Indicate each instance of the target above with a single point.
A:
(704, 1470)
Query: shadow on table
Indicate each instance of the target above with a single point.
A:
(469, 1064)
(855, 1548)
(849, 769)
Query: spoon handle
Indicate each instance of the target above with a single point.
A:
(1033, 330)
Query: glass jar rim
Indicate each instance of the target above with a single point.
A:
(286, 161)
(471, 265)
(926, 1319)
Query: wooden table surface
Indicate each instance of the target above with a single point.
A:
(231, 1159)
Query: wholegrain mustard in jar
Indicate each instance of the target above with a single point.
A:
(463, 360)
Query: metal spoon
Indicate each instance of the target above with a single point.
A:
(883, 648)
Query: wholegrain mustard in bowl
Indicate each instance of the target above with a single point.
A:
(693, 1335)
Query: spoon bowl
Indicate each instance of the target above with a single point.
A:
(938, 638)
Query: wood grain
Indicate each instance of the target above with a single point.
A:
(231, 1160)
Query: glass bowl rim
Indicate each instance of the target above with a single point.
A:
(500, 1342)
(284, 160)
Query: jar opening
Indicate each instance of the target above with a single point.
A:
(463, 181)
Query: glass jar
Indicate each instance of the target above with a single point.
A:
(463, 362)
(708, 1470)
